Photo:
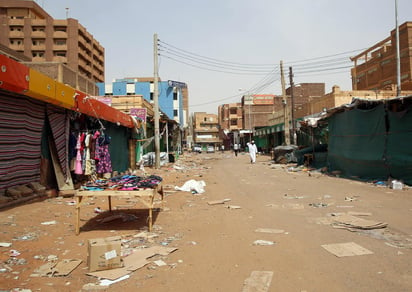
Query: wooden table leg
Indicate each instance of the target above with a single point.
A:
(150, 219)
(110, 203)
(79, 200)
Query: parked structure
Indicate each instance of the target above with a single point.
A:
(375, 68)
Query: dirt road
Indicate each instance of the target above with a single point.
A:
(216, 250)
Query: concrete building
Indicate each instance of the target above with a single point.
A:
(230, 116)
(257, 108)
(206, 129)
(173, 95)
(27, 29)
(375, 68)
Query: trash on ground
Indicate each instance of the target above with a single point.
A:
(263, 242)
(62, 268)
(269, 230)
(97, 210)
(293, 206)
(5, 244)
(346, 249)
(134, 261)
(396, 185)
(160, 263)
(258, 281)
(353, 223)
(318, 205)
(286, 196)
(192, 185)
(14, 253)
(353, 213)
(49, 223)
(106, 282)
(233, 207)
(217, 202)
(123, 216)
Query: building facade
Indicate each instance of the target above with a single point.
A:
(257, 108)
(206, 129)
(27, 29)
(173, 95)
(375, 68)
(230, 116)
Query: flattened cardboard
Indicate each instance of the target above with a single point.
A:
(62, 268)
(346, 249)
(258, 281)
(136, 260)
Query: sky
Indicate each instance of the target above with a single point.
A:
(223, 49)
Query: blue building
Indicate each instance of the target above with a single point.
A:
(171, 95)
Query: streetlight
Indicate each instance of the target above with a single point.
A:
(249, 100)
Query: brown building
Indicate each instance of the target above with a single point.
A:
(258, 108)
(206, 129)
(375, 68)
(27, 29)
(230, 116)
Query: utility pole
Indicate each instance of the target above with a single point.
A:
(156, 102)
(285, 105)
(398, 62)
(292, 104)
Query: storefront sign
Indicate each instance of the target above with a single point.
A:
(140, 113)
(172, 83)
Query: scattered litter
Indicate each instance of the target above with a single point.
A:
(396, 185)
(353, 223)
(217, 202)
(14, 253)
(233, 207)
(5, 244)
(346, 249)
(263, 242)
(286, 196)
(71, 203)
(258, 281)
(106, 282)
(49, 223)
(318, 205)
(344, 206)
(160, 263)
(62, 268)
(353, 213)
(269, 230)
(350, 199)
(97, 210)
(192, 185)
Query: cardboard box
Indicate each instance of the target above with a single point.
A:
(104, 254)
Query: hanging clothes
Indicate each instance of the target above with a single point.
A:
(78, 168)
(104, 164)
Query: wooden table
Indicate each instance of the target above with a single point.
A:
(146, 197)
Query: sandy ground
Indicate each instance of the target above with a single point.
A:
(215, 243)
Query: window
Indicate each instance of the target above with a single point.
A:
(151, 95)
(60, 28)
(38, 54)
(16, 28)
(38, 28)
(60, 53)
(37, 42)
(175, 113)
(174, 95)
(60, 42)
(16, 41)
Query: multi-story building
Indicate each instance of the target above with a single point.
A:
(206, 129)
(173, 95)
(28, 29)
(230, 117)
(257, 108)
(375, 68)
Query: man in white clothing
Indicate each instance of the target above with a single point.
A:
(252, 151)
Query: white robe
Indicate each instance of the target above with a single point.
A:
(252, 152)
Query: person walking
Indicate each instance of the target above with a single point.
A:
(236, 148)
(252, 151)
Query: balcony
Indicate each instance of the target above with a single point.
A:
(59, 47)
(41, 47)
(60, 35)
(207, 140)
(206, 130)
(16, 22)
(38, 34)
(16, 34)
(59, 59)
